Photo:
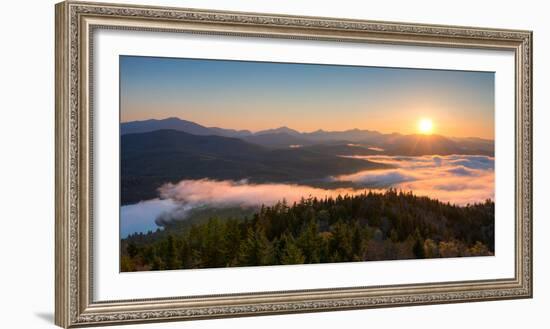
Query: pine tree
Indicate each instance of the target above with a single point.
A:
(309, 242)
(132, 250)
(171, 257)
(372, 226)
(418, 247)
(256, 249)
(291, 253)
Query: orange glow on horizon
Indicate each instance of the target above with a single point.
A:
(403, 121)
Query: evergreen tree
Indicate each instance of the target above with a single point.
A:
(309, 242)
(170, 254)
(291, 253)
(132, 249)
(371, 226)
(418, 247)
(256, 249)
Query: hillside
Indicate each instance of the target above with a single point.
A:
(366, 227)
(151, 159)
(135, 127)
(284, 137)
(277, 140)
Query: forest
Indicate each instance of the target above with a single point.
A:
(366, 227)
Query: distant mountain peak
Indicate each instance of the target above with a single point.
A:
(283, 129)
(175, 123)
(172, 119)
(283, 136)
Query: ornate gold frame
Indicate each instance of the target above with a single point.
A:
(75, 23)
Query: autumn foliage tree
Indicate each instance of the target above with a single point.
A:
(370, 226)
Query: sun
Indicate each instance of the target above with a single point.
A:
(425, 126)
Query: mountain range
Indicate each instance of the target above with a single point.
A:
(144, 126)
(353, 141)
(155, 152)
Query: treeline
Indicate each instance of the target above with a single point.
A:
(370, 226)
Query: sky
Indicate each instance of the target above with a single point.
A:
(306, 97)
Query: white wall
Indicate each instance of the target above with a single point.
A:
(27, 162)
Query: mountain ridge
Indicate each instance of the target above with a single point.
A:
(285, 137)
(151, 159)
(143, 126)
(285, 129)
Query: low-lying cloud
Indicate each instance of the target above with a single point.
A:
(242, 193)
(177, 201)
(457, 179)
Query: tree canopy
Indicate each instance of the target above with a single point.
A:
(370, 226)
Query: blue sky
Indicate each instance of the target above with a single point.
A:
(306, 97)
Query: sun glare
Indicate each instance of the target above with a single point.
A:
(425, 126)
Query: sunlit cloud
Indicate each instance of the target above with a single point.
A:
(182, 198)
(242, 193)
(458, 179)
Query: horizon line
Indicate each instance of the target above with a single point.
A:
(305, 132)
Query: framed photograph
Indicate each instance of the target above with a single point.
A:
(218, 164)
